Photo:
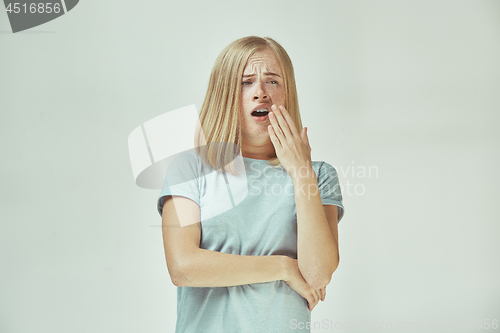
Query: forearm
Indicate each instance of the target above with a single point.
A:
(205, 268)
(317, 251)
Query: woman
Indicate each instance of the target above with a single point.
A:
(264, 264)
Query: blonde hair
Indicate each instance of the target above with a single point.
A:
(220, 113)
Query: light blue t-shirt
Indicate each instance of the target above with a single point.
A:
(249, 214)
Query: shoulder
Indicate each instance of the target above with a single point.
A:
(188, 160)
(189, 156)
(183, 167)
(324, 170)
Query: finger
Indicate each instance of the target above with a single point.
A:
(286, 122)
(303, 135)
(306, 137)
(312, 303)
(323, 294)
(311, 299)
(318, 294)
(278, 113)
(274, 139)
(277, 128)
(291, 123)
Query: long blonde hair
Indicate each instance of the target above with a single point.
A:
(220, 113)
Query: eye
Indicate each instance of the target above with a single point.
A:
(274, 82)
(246, 82)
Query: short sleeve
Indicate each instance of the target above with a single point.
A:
(182, 179)
(329, 188)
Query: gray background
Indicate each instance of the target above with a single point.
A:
(407, 87)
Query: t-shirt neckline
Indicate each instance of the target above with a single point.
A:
(254, 159)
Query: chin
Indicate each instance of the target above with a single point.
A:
(261, 139)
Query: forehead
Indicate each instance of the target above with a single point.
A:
(263, 61)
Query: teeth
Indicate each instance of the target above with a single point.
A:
(260, 113)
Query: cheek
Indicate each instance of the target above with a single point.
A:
(242, 96)
(280, 96)
(245, 93)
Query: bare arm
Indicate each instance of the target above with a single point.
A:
(317, 233)
(317, 249)
(188, 265)
(191, 266)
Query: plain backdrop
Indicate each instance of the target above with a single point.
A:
(402, 97)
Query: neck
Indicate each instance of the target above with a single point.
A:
(258, 152)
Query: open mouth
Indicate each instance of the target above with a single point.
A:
(260, 113)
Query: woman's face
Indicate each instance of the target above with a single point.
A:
(262, 86)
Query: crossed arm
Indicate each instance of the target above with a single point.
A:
(317, 233)
(189, 265)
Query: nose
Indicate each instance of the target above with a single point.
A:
(259, 92)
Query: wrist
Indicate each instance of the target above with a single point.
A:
(286, 268)
(304, 174)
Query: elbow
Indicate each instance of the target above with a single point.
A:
(318, 280)
(322, 278)
(177, 280)
(336, 264)
(178, 274)
(180, 268)
(318, 283)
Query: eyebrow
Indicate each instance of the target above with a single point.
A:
(266, 73)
